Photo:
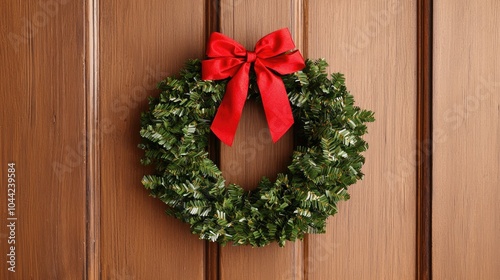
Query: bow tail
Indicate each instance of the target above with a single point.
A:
(275, 101)
(229, 112)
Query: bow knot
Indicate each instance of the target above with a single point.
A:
(251, 56)
(274, 53)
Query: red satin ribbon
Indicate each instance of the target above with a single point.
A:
(227, 58)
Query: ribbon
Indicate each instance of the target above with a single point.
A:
(275, 52)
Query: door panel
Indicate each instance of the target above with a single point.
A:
(253, 154)
(466, 200)
(42, 126)
(374, 44)
(139, 44)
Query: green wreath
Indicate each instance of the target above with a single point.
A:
(175, 137)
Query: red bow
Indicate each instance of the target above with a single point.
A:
(227, 58)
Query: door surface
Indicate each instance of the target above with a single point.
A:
(76, 76)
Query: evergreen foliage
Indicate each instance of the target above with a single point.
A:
(175, 132)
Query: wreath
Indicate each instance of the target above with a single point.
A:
(327, 158)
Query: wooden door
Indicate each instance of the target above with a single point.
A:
(77, 74)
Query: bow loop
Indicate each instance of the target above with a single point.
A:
(227, 58)
(275, 43)
(219, 45)
(285, 64)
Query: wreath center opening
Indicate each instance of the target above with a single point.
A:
(253, 154)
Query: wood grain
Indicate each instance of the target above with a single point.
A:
(466, 199)
(253, 155)
(43, 132)
(141, 43)
(374, 44)
(270, 262)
